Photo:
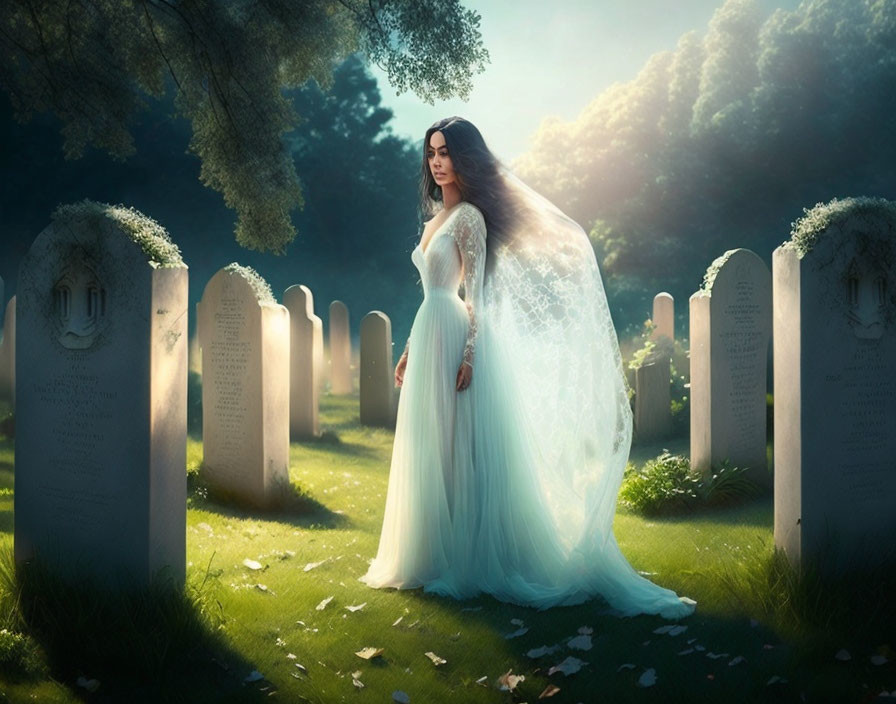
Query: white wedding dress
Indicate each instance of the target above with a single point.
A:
(474, 504)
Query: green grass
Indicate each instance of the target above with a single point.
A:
(200, 645)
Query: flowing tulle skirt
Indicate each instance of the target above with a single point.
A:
(465, 512)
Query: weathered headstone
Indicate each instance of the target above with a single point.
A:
(377, 378)
(101, 399)
(305, 369)
(340, 349)
(244, 337)
(730, 328)
(835, 383)
(8, 354)
(653, 412)
(663, 316)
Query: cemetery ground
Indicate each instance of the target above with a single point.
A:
(273, 610)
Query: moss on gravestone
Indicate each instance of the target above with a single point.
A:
(153, 240)
(805, 232)
(712, 271)
(261, 288)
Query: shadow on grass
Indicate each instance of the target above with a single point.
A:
(161, 643)
(758, 511)
(289, 504)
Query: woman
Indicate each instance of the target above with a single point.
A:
(507, 484)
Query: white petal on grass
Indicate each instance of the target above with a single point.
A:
(691, 640)
(483, 681)
(625, 666)
(291, 656)
(580, 643)
(252, 564)
(647, 678)
(254, 676)
(400, 697)
(549, 691)
(699, 648)
(517, 633)
(397, 621)
(568, 667)
(358, 683)
(775, 679)
(436, 660)
(542, 651)
(311, 565)
(586, 630)
(264, 588)
(90, 685)
(677, 630)
(879, 660)
(369, 653)
(663, 629)
(843, 655)
(356, 608)
(737, 661)
(517, 622)
(322, 605)
(716, 656)
(302, 668)
(508, 681)
(686, 651)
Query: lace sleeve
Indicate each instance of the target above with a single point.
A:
(469, 234)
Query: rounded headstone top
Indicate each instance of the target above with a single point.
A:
(152, 239)
(806, 231)
(259, 286)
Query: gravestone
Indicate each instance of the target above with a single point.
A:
(101, 399)
(244, 338)
(305, 368)
(8, 355)
(653, 411)
(663, 316)
(835, 383)
(730, 328)
(377, 378)
(340, 349)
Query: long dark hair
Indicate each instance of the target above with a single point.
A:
(478, 177)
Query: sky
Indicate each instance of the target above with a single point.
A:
(553, 58)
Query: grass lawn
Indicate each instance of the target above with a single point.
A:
(758, 634)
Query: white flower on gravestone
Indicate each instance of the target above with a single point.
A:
(647, 678)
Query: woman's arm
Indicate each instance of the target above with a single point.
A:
(469, 234)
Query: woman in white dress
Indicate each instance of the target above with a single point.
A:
(507, 484)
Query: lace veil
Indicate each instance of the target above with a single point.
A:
(549, 323)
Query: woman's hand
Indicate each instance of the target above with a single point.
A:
(399, 369)
(464, 376)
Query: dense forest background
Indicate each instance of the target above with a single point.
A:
(718, 144)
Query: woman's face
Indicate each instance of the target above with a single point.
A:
(439, 161)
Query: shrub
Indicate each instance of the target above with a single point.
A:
(666, 484)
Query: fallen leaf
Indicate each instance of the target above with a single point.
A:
(254, 676)
(252, 564)
(686, 651)
(542, 651)
(843, 655)
(716, 656)
(400, 697)
(398, 620)
(691, 640)
(263, 588)
(291, 656)
(568, 667)
(302, 667)
(358, 683)
(625, 666)
(369, 653)
(508, 681)
(322, 605)
(311, 565)
(582, 642)
(517, 633)
(647, 678)
(436, 660)
(737, 661)
(549, 691)
(483, 681)
(699, 648)
(586, 630)
(356, 608)
(90, 685)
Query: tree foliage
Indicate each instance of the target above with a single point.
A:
(723, 141)
(97, 63)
